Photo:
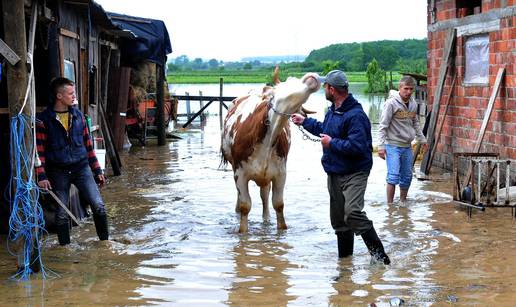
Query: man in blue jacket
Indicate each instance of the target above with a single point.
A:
(347, 159)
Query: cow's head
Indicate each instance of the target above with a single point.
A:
(288, 97)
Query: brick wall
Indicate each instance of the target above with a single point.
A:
(469, 103)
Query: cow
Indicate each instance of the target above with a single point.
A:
(256, 141)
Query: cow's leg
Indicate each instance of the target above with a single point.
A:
(277, 200)
(264, 194)
(237, 206)
(244, 202)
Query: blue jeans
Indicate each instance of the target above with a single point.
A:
(82, 178)
(399, 165)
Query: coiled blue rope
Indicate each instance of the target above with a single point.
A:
(26, 223)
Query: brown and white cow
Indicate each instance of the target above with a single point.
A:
(256, 141)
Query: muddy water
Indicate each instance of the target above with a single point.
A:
(175, 242)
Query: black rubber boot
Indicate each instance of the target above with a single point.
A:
(35, 261)
(101, 225)
(63, 234)
(375, 246)
(345, 242)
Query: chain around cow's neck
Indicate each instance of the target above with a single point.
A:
(271, 106)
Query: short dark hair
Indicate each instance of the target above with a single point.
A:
(58, 83)
(341, 89)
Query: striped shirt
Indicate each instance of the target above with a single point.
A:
(41, 141)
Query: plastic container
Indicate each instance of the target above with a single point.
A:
(101, 157)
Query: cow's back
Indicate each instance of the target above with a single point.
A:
(245, 129)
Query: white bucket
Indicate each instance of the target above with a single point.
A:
(101, 156)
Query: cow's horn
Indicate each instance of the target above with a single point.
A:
(275, 78)
(305, 111)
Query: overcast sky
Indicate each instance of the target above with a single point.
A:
(231, 29)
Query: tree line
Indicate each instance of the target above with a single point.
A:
(407, 55)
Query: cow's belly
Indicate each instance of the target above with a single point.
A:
(262, 169)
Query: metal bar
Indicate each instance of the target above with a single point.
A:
(479, 207)
(64, 207)
(507, 182)
(479, 177)
(497, 182)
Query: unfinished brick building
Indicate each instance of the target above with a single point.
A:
(481, 35)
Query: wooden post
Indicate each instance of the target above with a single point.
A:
(487, 115)
(188, 110)
(201, 105)
(450, 42)
(118, 97)
(160, 104)
(17, 82)
(15, 38)
(438, 134)
(221, 102)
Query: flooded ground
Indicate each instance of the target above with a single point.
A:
(175, 242)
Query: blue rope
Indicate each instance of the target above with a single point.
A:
(26, 223)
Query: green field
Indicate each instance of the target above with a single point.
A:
(253, 76)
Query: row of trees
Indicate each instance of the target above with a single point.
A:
(183, 63)
(407, 55)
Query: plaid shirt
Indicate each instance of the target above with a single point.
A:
(41, 141)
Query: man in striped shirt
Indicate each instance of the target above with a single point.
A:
(66, 153)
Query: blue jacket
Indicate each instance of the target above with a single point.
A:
(351, 146)
(62, 148)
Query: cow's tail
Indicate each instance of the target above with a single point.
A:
(223, 160)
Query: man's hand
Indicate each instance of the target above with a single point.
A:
(101, 180)
(381, 153)
(325, 140)
(425, 146)
(45, 184)
(297, 119)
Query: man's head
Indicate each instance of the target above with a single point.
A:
(63, 91)
(406, 87)
(335, 85)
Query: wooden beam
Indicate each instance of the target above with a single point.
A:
(203, 98)
(438, 133)
(450, 42)
(111, 45)
(487, 116)
(8, 53)
(16, 76)
(68, 33)
(160, 103)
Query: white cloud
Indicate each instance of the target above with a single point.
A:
(232, 29)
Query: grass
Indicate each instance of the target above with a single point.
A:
(251, 76)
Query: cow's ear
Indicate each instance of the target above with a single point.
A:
(266, 90)
(275, 77)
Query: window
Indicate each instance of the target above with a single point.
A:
(468, 7)
(477, 60)
(69, 70)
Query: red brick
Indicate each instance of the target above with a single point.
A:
(509, 116)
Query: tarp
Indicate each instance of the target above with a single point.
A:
(152, 42)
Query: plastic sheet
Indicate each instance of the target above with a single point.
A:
(477, 60)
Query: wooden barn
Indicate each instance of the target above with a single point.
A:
(471, 80)
(41, 40)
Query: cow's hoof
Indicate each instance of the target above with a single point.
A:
(282, 227)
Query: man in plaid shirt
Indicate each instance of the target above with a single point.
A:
(66, 153)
